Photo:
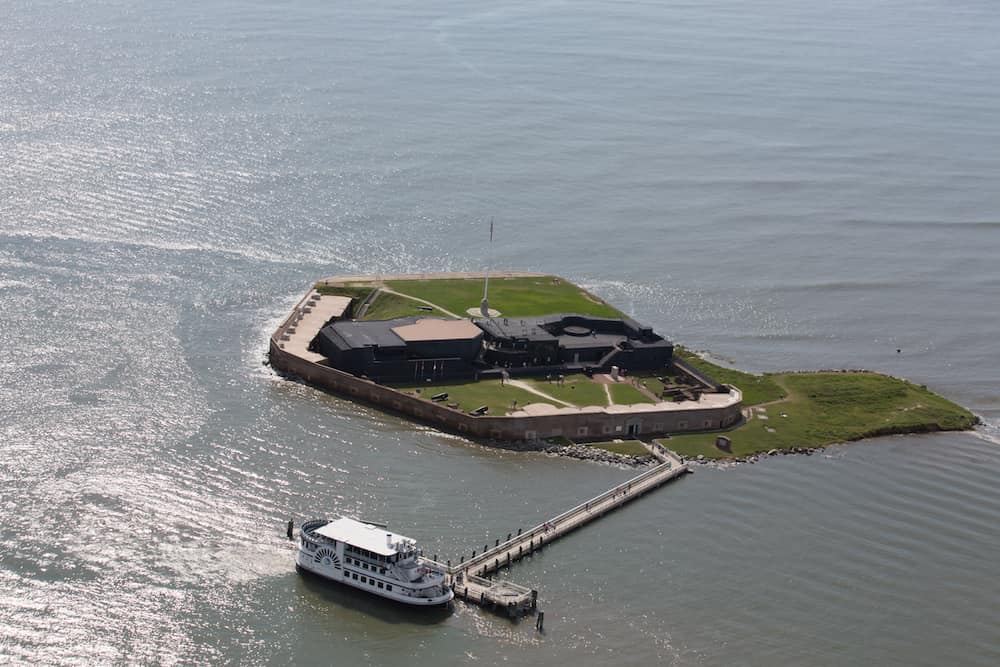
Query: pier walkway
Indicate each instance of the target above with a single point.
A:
(468, 577)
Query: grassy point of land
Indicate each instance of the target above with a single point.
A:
(625, 447)
(826, 408)
(513, 297)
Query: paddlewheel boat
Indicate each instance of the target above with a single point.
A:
(371, 558)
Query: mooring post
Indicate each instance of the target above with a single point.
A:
(435, 559)
(508, 537)
(473, 553)
(497, 543)
(518, 531)
(449, 562)
(540, 622)
(461, 560)
(291, 527)
(486, 547)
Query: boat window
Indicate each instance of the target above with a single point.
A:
(380, 585)
(354, 575)
(388, 587)
(364, 580)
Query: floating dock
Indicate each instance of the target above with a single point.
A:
(469, 579)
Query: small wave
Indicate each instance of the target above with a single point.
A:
(924, 224)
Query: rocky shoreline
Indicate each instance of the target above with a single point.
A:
(587, 453)
(701, 459)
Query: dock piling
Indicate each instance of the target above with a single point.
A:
(291, 529)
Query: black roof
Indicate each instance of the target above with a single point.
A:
(347, 334)
(521, 328)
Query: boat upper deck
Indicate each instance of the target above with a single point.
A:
(365, 536)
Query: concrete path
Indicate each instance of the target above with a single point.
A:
(531, 390)
(423, 301)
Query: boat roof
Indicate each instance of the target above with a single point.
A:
(366, 536)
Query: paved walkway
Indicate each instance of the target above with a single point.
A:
(423, 301)
(520, 384)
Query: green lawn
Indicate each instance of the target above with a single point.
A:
(626, 394)
(359, 292)
(577, 389)
(388, 306)
(513, 297)
(626, 447)
(471, 395)
(756, 388)
(826, 408)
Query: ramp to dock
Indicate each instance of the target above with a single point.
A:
(468, 577)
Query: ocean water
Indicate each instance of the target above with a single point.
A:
(784, 184)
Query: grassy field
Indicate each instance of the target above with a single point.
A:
(576, 389)
(358, 292)
(513, 297)
(626, 394)
(756, 389)
(827, 408)
(388, 306)
(471, 395)
(626, 447)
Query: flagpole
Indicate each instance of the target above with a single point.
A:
(484, 307)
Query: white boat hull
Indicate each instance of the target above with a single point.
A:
(332, 570)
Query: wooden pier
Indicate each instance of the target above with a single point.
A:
(468, 576)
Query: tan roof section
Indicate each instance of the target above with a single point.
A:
(431, 329)
(320, 309)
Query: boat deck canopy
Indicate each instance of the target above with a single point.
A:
(366, 536)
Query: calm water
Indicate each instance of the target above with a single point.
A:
(786, 184)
